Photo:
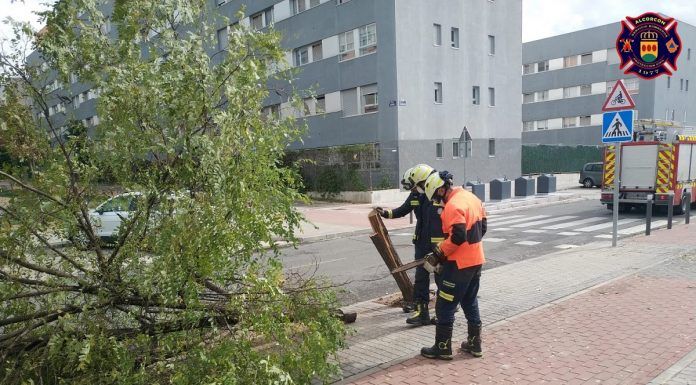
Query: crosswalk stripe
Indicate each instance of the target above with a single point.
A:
(528, 243)
(641, 228)
(498, 217)
(604, 236)
(573, 223)
(493, 240)
(566, 246)
(518, 220)
(543, 221)
(568, 233)
(501, 229)
(606, 225)
(534, 231)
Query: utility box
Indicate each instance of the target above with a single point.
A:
(524, 186)
(478, 189)
(500, 189)
(546, 183)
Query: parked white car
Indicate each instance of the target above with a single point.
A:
(107, 217)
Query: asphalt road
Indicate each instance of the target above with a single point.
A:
(355, 266)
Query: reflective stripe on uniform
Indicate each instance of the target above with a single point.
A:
(436, 239)
(391, 215)
(415, 203)
(445, 296)
(448, 283)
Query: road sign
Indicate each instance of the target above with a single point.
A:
(619, 98)
(617, 127)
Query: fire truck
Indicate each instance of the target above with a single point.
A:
(660, 161)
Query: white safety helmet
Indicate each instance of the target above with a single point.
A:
(406, 180)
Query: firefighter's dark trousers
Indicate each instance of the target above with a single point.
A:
(421, 285)
(458, 287)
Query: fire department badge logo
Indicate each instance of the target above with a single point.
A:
(649, 45)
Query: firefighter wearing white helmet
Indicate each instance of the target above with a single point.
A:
(428, 233)
(461, 254)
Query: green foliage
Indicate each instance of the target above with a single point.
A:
(193, 291)
(555, 159)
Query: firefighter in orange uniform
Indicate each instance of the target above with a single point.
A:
(461, 254)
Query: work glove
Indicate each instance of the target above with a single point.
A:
(437, 252)
(382, 212)
(432, 263)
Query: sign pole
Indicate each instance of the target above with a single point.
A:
(617, 188)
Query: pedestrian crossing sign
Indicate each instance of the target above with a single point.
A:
(617, 126)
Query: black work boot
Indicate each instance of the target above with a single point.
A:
(442, 350)
(421, 316)
(472, 344)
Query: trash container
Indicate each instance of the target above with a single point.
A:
(500, 189)
(524, 186)
(546, 183)
(478, 189)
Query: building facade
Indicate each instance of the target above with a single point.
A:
(415, 81)
(566, 79)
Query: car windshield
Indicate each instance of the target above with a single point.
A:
(119, 203)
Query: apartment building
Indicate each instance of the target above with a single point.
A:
(566, 79)
(417, 81)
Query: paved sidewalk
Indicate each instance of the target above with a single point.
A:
(590, 315)
(335, 220)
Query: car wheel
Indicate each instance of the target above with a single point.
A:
(587, 183)
(624, 208)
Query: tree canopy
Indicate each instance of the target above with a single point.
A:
(191, 290)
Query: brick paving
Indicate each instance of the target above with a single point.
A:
(554, 286)
(625, 332)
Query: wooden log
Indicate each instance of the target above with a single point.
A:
(386, 250)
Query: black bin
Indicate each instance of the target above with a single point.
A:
(524, 186)
(546, 183)
(478, 189)
(500, 189)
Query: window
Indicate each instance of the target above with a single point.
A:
(438, 92)
(320, 104)
(476, 91)
(222, 39)
(455, 149)
(262, 19)
(339, 2)
(298, 6)
(681, 84)
(317, 51)
(527, 69)
(528, 98)
(73, 78)
(669, 81)
(686, 88)
(368, 39)
(491, 147)
(570, 61)
(84, 97)
(272, 110)
(542, 96)
(221, 2)
(349, 101)
(542, 124)
(346, 46)
(491, 45)
(586, 58)
(585, 121)
(454, 37)
(302, 56)
(528, 126)
(491, 97)
(570, 92)
(438, 150)
(688, 54)
(369, 98)
(585, 90)
(437, 29)
(672, 114)
(569, 122)
(76, 101)
(543, 66)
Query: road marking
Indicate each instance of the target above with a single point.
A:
(641, 228)
(543, 221)
(568, 233)
(501, 229)
(317, 263)
(403, 234)
(566, 246)
(518, 220)
(498, 217)
(606, 225)
(493, 240)
(534, 231)
(527, 243)
(605, 236)
(573, 223)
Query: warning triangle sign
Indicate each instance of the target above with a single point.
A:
(619, 98)
(617, 128)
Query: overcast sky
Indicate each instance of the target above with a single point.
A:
(541, 18)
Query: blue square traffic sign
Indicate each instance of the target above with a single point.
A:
(617, 126)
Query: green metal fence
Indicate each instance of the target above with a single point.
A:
(556, 159)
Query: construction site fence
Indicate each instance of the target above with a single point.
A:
(538, 159)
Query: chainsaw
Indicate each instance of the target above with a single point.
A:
(430, 262)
